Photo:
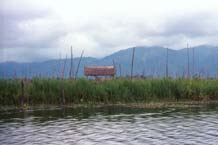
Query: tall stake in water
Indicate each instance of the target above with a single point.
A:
(217, 64)
(61, 84)
(188, 61)
(79, 64)
(120, 70)
(60, 74)
(167, 64)
(193, 62)
(114, 65)
(71, 63)
(133, 55)
(198, 64)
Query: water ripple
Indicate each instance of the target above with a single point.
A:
(123, 127)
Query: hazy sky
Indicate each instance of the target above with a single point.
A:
(33, 30)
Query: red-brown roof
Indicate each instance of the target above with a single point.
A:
(99, 70)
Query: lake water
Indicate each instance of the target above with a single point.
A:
(110, 125)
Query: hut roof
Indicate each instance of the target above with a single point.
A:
(99, 70)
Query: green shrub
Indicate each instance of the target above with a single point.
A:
(50, 91)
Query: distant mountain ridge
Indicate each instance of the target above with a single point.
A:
(149, 61)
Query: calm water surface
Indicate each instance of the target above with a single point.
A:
(110, 125)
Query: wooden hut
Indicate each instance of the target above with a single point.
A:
(100, 71)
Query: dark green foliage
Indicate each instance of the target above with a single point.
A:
(10, 91)
(49, 91)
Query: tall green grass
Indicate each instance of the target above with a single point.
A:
(49, 91)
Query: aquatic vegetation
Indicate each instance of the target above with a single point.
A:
(53, 91)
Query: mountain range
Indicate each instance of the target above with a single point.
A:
(148, 61)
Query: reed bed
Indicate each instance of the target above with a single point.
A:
(50, 91)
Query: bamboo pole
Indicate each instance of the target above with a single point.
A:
(60, 73)
(71, 63)
(193, 62)
(79, 64)
(217, 64)
(133, 55)
(198, 64)
(167, 64)
(114, 65)
(188, 61)
(120, 70)
(62, 83)
(22, 93)
(183, 72)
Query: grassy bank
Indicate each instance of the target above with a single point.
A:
(82, 91)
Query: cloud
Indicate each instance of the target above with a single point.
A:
(36, 30)
(24, 27)
(194, 25)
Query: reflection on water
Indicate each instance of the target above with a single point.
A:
(110, 125)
